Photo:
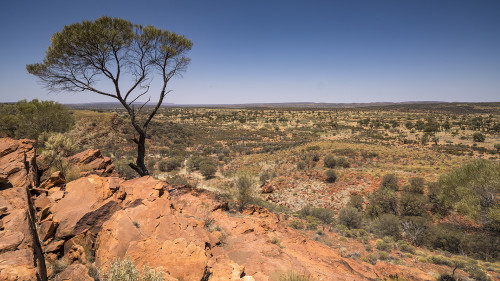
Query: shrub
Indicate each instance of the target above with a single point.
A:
(383, 245)
(170, 164)
(296, 224)
(244, 190)
(125, 270)
(473, 190)
(264, 177)
(208, 169)
(478, 137)
(381, 201)
(390, 181)
(331, 176)
(405, 247)
(446, 237)
(322, 214)
(497, 147)
(412, 204)
(416, 185)
(301, 165)
(356, 201)
(330, 161)
(415, 229)
(342, 162)
(350, 217)
(386, 225)
(294, 276)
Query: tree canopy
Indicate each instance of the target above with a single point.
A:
(95, 56)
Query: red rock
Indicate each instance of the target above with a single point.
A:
(47, 230)
(55, 179)
(75, 272)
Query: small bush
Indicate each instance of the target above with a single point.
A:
(386, 225)
(125, 270)
(390, 181)
(403, 246)
(301, 165)
(478, 137)
(356, 201)
(331, 176)
(244, 190)
(208, 169)
(416, 185)
(170, 164)
(329, 161)
(296, 224)
(412, 204)
(350, 217)
(381, 201)
(294, 276)
(446, 237)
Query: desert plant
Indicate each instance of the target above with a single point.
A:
(331, 176)
(478, 137)
(381, 201)
(415, 229)
(244, 190)
(296, 224)
(350, 217)
(416, 185)
(125, 270)
(356, 201)
(411, 204)
(208, 169)
(330, 161)
(386, 225)
(390, 181)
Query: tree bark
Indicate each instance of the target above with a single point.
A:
(139, 165)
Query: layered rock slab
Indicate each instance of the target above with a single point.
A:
(20, 252)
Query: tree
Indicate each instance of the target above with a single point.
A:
(478, 137)
(113, 49)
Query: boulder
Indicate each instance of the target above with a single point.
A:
(75, 272)
(55, 179)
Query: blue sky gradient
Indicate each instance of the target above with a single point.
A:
(286, 51)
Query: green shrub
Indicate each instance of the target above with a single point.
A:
(244, 190)
(383, 245)
(301, 165)
(390, 181)
(405, 247)
(412, 204)
(386, 225)
(331, 176)
(381, 201)
(342, 162)
(329, 161)
(478, 137)
(416, 185)
(350, 217)
(416, 229)
(446, 237)
(170, 164)
(297, 224)
(121, 270)
(208, 169)
(294, 276)
(356, 201)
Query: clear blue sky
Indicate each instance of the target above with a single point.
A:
(286, 51)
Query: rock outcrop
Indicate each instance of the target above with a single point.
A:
(20, 252)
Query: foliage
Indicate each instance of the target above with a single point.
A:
(329, 161)
(478, 137)
(350, 217)
(56, 147)
(296, 224)
(294, 276)
(208, 169)
(473, 190)
(322, 214)
(30, 119)
(356, 201)
(446, 237)
(390, 181)
(415, 229)
(125, 270)
(83, 54)
(386, 225)
(244, 190)
(331, 176)
(170, 164)
(411, 204)
(416, 185)
(381, 201)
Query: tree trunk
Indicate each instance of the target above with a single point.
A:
(139, 165)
